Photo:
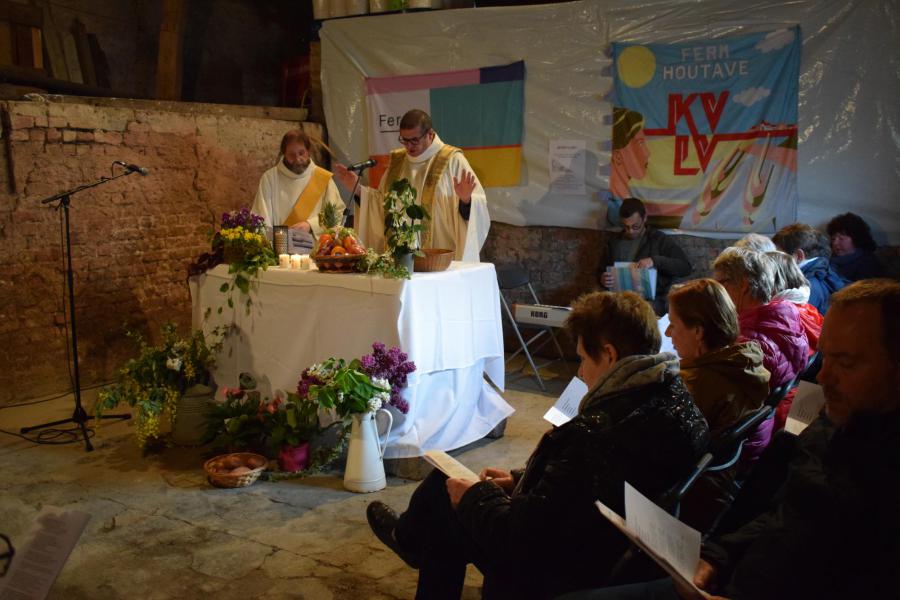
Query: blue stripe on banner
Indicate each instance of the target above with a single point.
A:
(479, 115)
(511, 72)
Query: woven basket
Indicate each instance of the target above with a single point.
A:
(337, 264)
(238, 459)
(435, 259)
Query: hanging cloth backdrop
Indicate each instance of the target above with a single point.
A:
(478, 110)
(709, 137)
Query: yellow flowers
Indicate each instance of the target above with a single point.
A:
(239, 234)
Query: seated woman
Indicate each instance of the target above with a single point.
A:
(852, 248)
(749, 279)
(725, 377)
(539, 534)
(791, 285)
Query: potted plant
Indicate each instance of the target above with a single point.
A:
(403, 223)
(276, 428)
(154, 382)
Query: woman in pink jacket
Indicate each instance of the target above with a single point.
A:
(749, 278)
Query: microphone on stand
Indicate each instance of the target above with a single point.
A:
(361, 166)
(132, 168)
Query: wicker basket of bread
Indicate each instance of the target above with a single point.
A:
(238, 469)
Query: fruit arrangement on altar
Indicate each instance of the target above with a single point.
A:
(337, 248)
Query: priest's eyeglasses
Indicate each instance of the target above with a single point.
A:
(413, 141)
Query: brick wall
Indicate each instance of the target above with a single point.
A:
(131, 239)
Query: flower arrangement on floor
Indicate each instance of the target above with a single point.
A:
(154, 381)
(276, 428)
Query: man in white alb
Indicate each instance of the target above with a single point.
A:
(445, 185)
(291, 193)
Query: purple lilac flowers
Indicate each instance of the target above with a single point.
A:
(391, 365)
(242, 218)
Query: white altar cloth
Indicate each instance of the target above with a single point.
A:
(448, 323)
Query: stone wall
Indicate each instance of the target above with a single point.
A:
(132, 238)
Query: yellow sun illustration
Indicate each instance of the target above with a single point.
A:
(636, 66)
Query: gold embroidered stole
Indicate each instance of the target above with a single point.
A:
(309, 197)
(432, 177)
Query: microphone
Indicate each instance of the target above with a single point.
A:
(132, 168)
(361, 166)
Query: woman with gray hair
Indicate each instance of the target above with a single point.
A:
(756, 242)
(749, 279)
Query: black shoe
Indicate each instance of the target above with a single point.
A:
(383, 521)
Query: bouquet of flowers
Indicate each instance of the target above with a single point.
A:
(362, 385)
(392, 366)
(153, 382)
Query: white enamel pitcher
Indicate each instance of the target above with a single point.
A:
(365, 466)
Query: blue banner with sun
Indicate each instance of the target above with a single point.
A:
(705, 132)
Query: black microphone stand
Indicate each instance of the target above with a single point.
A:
(79, 417)
(351, 212)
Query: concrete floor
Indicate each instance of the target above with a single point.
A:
(159, 530)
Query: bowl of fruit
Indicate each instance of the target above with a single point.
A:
(337, 249)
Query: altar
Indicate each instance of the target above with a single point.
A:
(449, 323)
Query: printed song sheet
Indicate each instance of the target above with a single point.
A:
(566, 407)
(673, 545)
(806, 407)
(37, 563)
(448, 465)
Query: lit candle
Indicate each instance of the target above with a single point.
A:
(295, 261)
(284, 261)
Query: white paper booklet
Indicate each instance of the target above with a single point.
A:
(807, 404)
(673, 545)
(566, 407)
(37, 564)
(448, 465)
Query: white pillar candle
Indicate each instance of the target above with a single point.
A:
(295, 261)
(304, 262)
(284, 261)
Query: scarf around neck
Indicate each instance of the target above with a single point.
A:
(631, 372)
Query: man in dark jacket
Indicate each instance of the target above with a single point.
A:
(649, 248)
(538, 534)
(810, 248)
(831, 528)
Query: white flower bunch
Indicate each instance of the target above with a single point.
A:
(174, 363)
(382, 397)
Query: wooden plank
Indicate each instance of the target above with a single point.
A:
(22, 45)
(83, 47)
(101, 65)
(37, 48)
(70, 50)
(168, 61)
(56, 57)
(7, 54)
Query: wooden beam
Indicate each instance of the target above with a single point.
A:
(168, 63)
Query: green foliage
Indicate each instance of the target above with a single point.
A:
(247, 421)
(152, 382)
(247, 252)
(382, 264)
(343, 386)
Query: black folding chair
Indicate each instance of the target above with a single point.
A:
(512, 277)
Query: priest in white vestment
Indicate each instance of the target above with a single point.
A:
(445, 185)
(292, 192)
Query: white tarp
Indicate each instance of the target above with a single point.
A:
(849, 81)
